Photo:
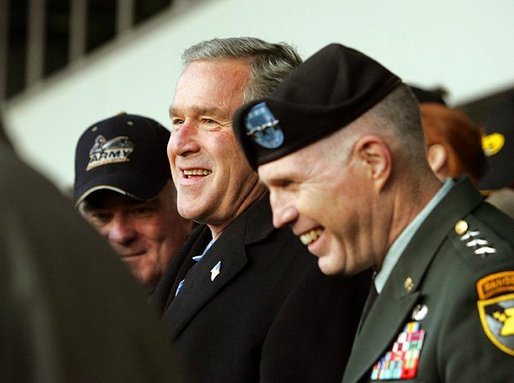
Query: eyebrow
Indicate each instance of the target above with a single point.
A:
(197, 110)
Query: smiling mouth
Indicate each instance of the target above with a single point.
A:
(310, 236)
(133, 255)
(196, 172)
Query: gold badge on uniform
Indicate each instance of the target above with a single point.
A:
(496, 309)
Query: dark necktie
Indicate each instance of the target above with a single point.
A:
(196, 259)
(372, 296)
(181, 283)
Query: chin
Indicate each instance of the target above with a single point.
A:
(330, 266)
(187, 213)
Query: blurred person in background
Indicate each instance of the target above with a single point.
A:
(454, 143)
(498, 144)
(123, 187)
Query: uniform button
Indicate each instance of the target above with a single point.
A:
(461, 227)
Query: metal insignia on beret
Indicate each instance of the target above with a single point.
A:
(263, 127)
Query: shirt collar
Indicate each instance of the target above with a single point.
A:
(399, 245)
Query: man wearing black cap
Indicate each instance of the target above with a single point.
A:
(123, 187)
(340, 146)
(498, 145)
(244, 302)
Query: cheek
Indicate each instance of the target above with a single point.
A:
(103, 230)
(315, 204)
(174, 173)
(152, 229)
(170, 149)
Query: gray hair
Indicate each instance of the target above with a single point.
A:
(397, 119)
(399, 114)
(269, 63)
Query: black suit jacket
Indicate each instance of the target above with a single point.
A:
(269, 316)
(445, 263)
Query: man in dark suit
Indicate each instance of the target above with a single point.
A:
(244, 302)
(348, 172)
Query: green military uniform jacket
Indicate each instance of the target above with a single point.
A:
(446, 313)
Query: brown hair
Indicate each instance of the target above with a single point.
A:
(459, 135)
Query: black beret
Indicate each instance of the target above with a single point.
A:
(329, 90)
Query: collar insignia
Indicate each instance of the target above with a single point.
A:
(420, 312)
(474, 240)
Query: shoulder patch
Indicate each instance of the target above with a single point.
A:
(496, 309)
(497, 319)
(495, 284)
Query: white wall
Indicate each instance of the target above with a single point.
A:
(465, 45)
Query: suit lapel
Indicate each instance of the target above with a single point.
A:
(229, 251)
(394, 305)
(167, 285)
(198, 287)
(192, 248)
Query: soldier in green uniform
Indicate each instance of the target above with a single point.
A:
(340, 146)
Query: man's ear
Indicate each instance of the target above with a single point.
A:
(437, 158)
(375, 157)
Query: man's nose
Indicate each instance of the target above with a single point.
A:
(120, 230)
(284, 211)
(183, 140)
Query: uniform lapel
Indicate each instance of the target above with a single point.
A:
(377, 331)
(394, 305)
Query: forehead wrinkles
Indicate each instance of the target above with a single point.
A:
(225, 76)
(196, 110)
(220, 103)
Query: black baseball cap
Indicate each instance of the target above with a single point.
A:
(125, 153)
(329, 90)
(498, 145)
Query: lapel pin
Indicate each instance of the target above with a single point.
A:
(419, 312)
(408, 285)
(215, 271)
